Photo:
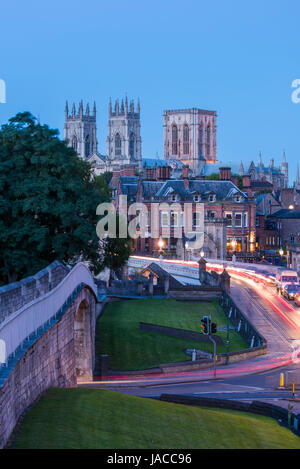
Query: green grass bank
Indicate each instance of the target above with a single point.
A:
(129, 348)
(91, 418)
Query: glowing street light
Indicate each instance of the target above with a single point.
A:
(202, 253)
(161, 244)
(233, 244)
(281, 251)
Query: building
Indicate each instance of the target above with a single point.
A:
(124, 143)
(277, 176)
(229, 214)
(80, 130)
(287, 223)
(293, 254)
(190, 135)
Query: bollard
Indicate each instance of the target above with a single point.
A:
(281, 381)
(104, 365)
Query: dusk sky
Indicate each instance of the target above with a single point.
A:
(238, 58)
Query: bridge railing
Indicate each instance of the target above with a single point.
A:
(18, 326)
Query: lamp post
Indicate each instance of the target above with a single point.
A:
(281, 252)
(160, 246)
(233, 245)
(186, 252)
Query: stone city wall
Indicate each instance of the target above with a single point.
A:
(51, 361)
(17, 294)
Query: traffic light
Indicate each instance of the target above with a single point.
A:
(213, 327)
(205, 325)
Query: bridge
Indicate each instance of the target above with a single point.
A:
(47, 335)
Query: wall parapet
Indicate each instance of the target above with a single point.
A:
(17, 294)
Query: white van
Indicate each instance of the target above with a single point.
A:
(283, 277)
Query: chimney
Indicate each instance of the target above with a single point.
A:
(185, 172)
(246, 180)
(186, 183)
(164, 173)
(151, 174)
(225, 174)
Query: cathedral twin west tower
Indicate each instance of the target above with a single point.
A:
(190, 136)
(124, 144)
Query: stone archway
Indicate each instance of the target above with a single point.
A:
(83, 341)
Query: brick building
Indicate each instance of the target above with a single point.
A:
(229, 214)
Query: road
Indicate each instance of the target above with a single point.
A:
(277, 319)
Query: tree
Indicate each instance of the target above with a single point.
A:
(212, 177)
(48, 201)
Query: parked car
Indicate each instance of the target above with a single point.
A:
(290, 290)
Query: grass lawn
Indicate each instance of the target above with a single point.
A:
(129, 348)
(91, 418)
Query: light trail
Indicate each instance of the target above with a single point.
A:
(250, 277)
(142, 379)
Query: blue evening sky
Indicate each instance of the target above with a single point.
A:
(236, 57)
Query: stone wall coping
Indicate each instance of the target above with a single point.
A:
(32, 278)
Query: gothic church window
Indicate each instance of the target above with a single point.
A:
(208, 137)
(74, 142)
(174, 140)
(131, 145)
(117, 145)
(87, 146)
(200, 141)
(186, 148)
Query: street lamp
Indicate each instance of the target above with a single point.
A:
(202, 253)
(160, 246)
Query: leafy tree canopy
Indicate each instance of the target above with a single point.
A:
(48, 201)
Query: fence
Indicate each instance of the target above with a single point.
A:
(249, 333)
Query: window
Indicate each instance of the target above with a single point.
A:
(212, 198)
(200, 141)
(197, 198)
(174, 219)
(257, 221)
(87, 146)
(208, 137)
(74, 142)
(245, 220)
(238, 220)
(186, 147)
(117, 145)
(228, 217)
(164, 219)
(174, 140)
(196, 218)
(131, 145)
(211, 214)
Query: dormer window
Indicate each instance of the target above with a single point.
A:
(212, 197)
(173, 197)
(197, 198)
(238, 198)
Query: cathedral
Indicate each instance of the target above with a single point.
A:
(277, 176)
(124, 144)
(190, 136)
